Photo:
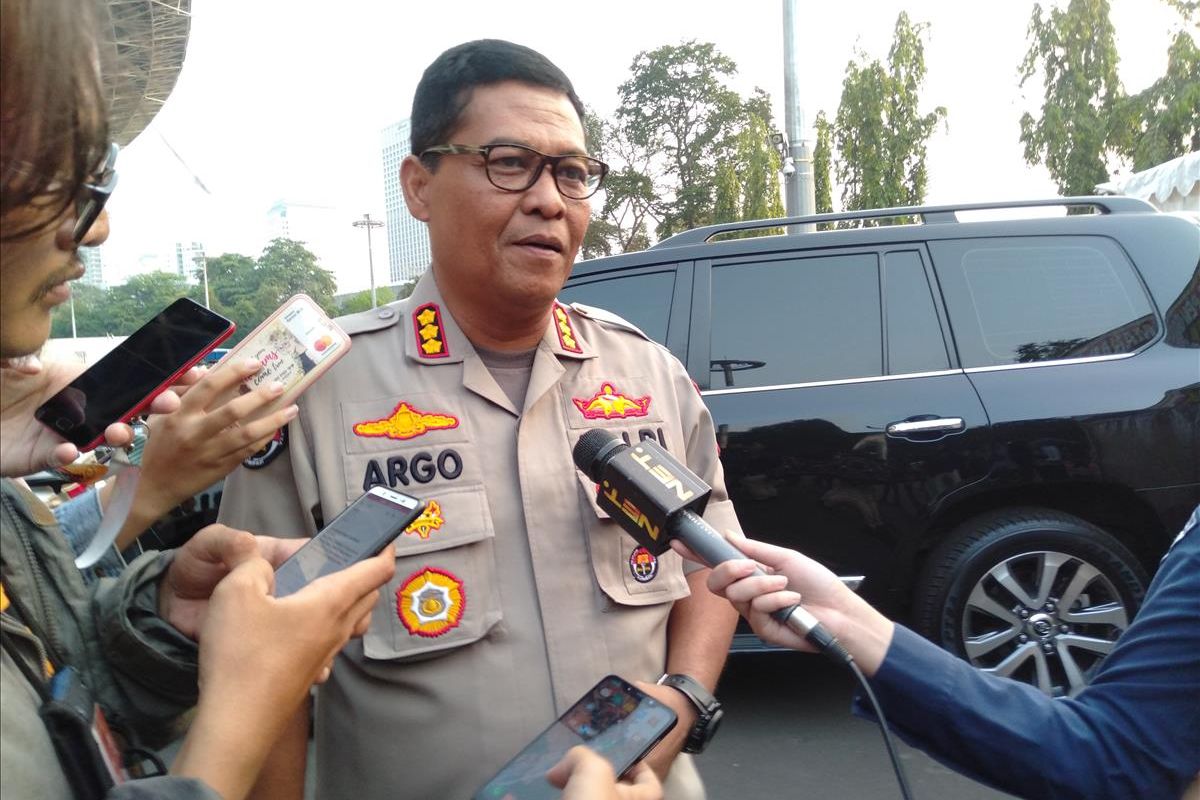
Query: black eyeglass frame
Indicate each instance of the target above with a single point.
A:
(94, 194)
(553, 161)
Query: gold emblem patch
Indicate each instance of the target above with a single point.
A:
(427, 323)
(608, 403)
(566, 334)
(431, 519)
(405, 422)
(431, 602)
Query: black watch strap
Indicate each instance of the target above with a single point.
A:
(708, 710)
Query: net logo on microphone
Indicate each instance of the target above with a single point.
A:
(630, 510)
(660, 473)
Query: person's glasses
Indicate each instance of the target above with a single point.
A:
(515, 167)
(94, 194)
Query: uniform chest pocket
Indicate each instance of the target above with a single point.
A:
(626, 572)
(443, 595)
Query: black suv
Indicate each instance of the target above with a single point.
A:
(996, 423)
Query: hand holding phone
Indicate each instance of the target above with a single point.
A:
(125, 381)
(363, 529)
(614, 718)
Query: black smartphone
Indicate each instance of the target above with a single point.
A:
(124, 382)
(363, 528)
(615, 718)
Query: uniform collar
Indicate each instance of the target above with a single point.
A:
(434, 337)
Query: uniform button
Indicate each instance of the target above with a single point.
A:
(386, 313)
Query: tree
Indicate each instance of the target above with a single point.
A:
(135, 302)
(91, 319)
(287, 267)
(822, 160)
(1075, 52)
(362, 300)
(1163, 121)
(879, 130)
(677, 109)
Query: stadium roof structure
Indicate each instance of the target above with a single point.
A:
(148, 41)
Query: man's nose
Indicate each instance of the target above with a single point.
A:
(543, 196)
(96, 235)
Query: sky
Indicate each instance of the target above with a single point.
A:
(285, 99)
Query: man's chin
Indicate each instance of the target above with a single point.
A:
(25, 335)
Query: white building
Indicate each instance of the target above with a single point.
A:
(93, 262)
(407, 237)
(189, 257)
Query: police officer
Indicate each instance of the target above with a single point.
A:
(514, 593)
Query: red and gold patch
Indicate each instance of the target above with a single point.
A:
(566, 333)
(431, 337)
(643, 565)
(405, 422)
(431, 519)
(608, 403)
(431, 602)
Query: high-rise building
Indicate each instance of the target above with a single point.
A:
(328, 234)
(407, 237)
(93, 264)
(189, 257)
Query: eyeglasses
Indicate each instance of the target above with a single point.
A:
(515, 167)
(93, 195)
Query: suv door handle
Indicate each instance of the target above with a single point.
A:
(936, 425)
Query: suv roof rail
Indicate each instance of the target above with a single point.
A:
(1108, 204)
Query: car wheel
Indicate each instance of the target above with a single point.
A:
(1031, 594)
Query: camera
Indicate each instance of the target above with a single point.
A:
(789, 167)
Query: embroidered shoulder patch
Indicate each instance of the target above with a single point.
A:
(431, 602)
(643, 565)
(405, 422)
(608, 403)
(270, 452)
(566, 334)
(431, 519)
(431, 336)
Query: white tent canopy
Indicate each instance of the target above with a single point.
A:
(1171, 186)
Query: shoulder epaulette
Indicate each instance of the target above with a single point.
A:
(375, 319)
(608, 317)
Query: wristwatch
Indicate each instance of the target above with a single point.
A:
(708, 709)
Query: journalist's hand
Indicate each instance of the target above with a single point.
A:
(583, 774)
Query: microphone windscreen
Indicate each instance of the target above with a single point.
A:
(593, 450)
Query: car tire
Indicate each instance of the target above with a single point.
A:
(1030, 593)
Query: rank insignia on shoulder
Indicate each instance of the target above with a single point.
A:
(643, 565)
(405, 422)
(431, 335)
(431, 519)
(566, 334)
(431, 602)
(608, 403)
(270, 452)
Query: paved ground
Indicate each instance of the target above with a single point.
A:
(788, 733)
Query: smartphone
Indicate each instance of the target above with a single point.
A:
(295, 346)
(363, 528)
(615, 718)
(124, 382)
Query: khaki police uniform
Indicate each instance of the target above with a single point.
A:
(514, 593)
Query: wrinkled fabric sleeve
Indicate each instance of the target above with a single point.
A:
(153, 666)
(1134, 732)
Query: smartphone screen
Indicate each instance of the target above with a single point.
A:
(364, 528)
(126, 379)
(615, 718)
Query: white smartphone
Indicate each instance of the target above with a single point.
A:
(363, 528)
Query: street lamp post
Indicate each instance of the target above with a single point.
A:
(369, 224)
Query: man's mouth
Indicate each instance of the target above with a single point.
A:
(547, 243)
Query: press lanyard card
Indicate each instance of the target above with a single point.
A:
(87, 750)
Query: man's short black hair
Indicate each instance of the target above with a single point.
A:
(445, 88)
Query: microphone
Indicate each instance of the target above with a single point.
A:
(655, 498)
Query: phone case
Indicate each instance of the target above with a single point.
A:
(296, 345)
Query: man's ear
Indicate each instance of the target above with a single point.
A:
(414, 180)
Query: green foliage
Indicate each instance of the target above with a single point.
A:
(879, 130)
(1162, 122)
(1075, 52)
(823, 164)
(362, 301)
(91, 318)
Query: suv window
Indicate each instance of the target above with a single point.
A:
(644, 300)
(914, 338)
(1022, 300)
(796, 320)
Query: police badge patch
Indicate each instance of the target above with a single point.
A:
(269, 453)
(431, 602)
(643, 565)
